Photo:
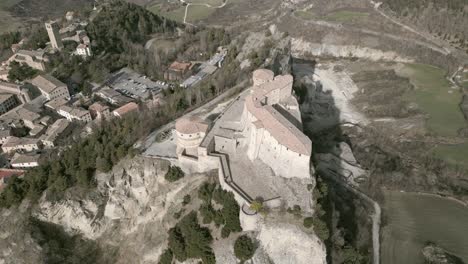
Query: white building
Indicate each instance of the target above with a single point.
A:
(50, 87)
(72, 113)
(83, 50)
(23, 161)
(21, 144)
(190, 132)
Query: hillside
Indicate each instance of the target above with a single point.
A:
(444, 19)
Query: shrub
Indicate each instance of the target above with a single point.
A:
(174, 173)
(166, 257)
(186, 200)
(244, 248)
(308, 222)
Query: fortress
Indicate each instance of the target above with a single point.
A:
(261, 126)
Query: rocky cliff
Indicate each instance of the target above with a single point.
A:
(126, 219)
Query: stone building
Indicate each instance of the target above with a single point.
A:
(99, 111)
(190, 132)
(53, 29)
(50, 87)
(177, 71)
(126, 109)
(21, 92)
(24, 161)
(7, 102)
(55, 132)
(72, 113)
(32, 58)
(21, 144)
(83, 50)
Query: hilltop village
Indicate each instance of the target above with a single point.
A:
(40, 114)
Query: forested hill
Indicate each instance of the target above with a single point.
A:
(121, 23)
(447, 19)
(46, 8)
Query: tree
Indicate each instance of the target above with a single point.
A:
(244, 248)
(166, 257)
(174, 173)
(20, 72)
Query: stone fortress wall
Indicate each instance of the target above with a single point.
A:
(263, 123)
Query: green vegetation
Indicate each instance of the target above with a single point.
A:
(453, 154)
(174, 173)
(20, 72)
(435, 97)
(227, 216)
(188, 240)
(61, 247)
(166, 257)
(175, 14)
(346, 16)
(8, 39)
(76, 166)
(307, 15)
(213, 3)
(244, 248)
(186, 200)
(7, 21)
(198, 12)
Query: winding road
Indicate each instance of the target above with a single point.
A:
(207, 5)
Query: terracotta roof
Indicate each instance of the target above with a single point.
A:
(125, 109)
(279, 127)
(47, 83)
(180, 66)
(98, 107)
(191, 125)
(263, 74)
(278, 83)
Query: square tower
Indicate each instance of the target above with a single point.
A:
(53, 30)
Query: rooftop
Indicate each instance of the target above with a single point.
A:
(180, 66)
(133, 84)
(47, 83)
(23, 158)
(191, 125)
(98, 107)
(125, 109)
(263, 74)
(4, 97)
(55, 130)
(56, 103)
(15, 141)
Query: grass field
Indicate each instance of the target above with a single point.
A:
(307, 15)
(339, 16)
(209, 2)
(196, 12)
(455, 154)
(435, 97)
(176, 14)
(346, 16)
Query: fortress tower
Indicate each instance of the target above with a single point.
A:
(53, 30)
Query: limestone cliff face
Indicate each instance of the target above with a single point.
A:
(301, 48)
(128, 216)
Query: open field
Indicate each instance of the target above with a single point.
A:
(209, 2)
(434, 96)
(197, 12)
(346, 16)
(307, 15)
(454, 154)
(176, 14)
(338, 16)
(413, 219)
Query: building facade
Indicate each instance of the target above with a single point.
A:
(50, 87)
(53, 29)
(7, 102)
